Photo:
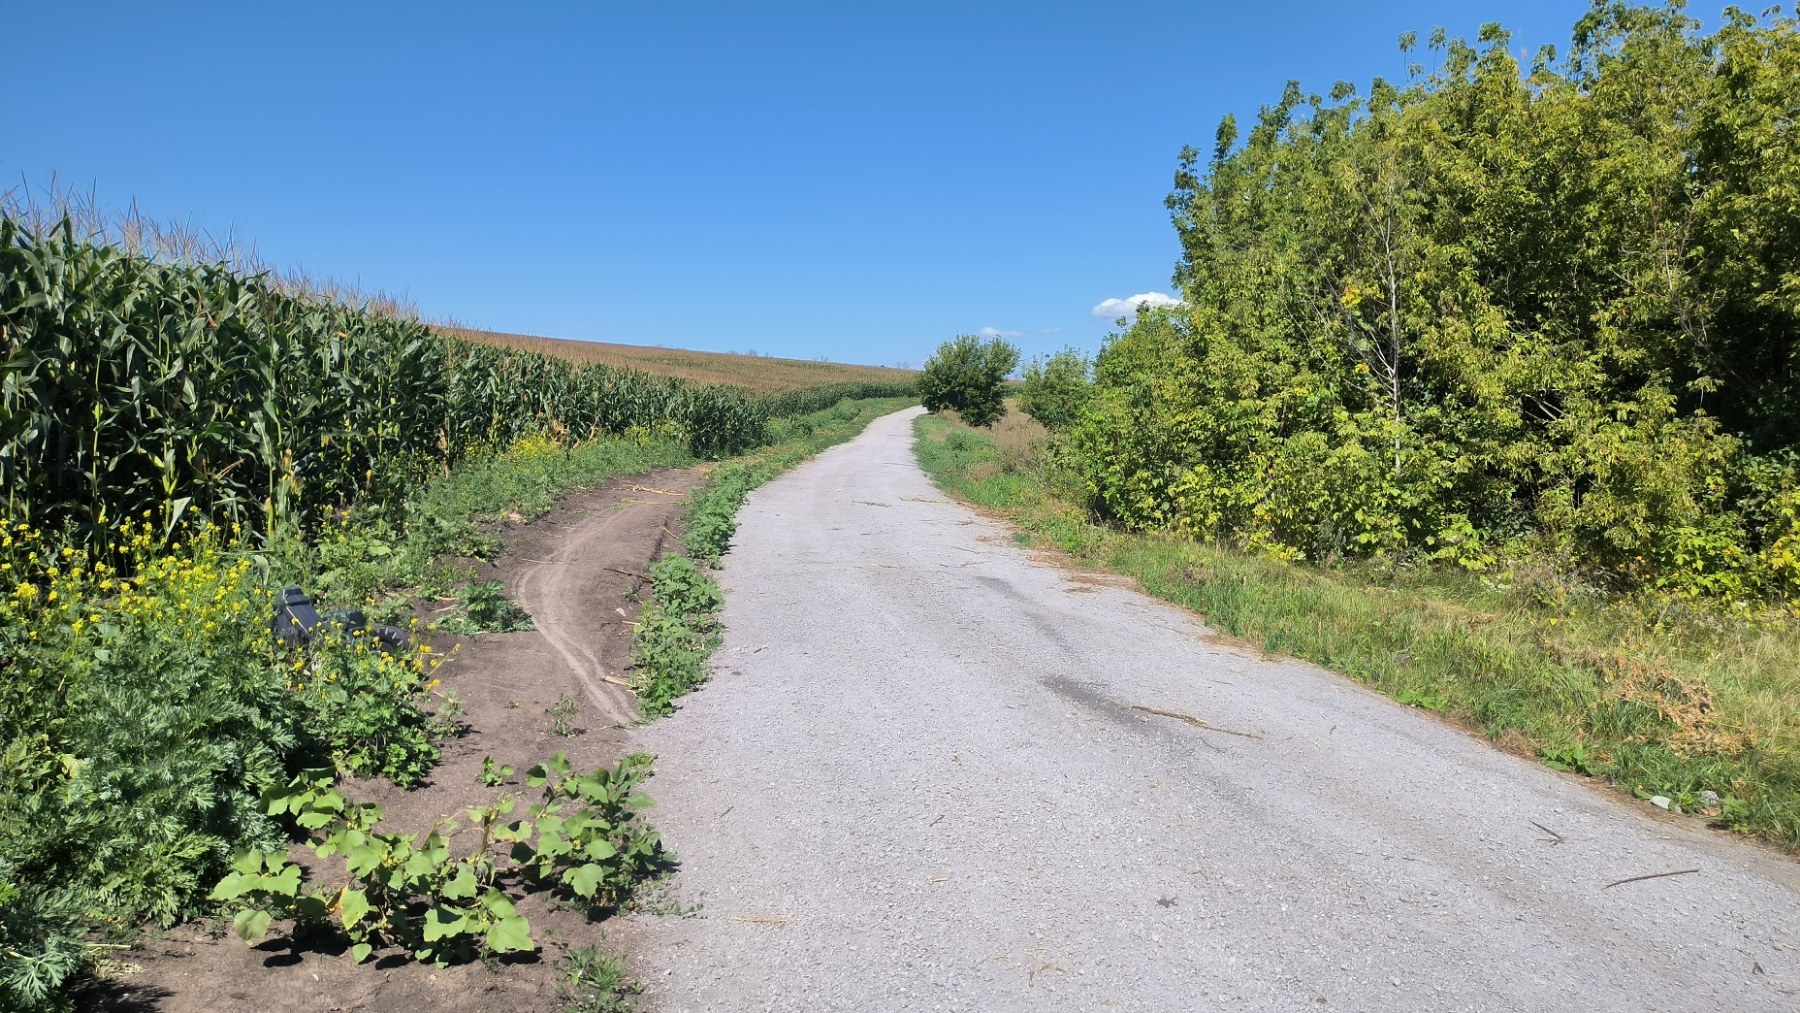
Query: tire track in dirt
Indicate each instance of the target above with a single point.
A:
(570, 585)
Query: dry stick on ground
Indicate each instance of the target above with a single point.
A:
(1653, 875)
(1559, 838)
(1192, 720)
(630, 573)
(659, 492)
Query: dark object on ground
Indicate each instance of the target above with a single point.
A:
(297, 623)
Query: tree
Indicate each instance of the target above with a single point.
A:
(965, 375)
(1490, 312)
(1055, 387)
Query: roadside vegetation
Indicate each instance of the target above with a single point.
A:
(1661, 703)
(1535, 322)
(445, 902)
(678, 629)
(1482, 390)
(965, 375)
(180, 438)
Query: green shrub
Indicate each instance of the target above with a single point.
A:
(1398, 338)
(1055, 387)
(364, 706)
(139, 718)
(965, 375)
(484, 608)
(677, 631)
(584, 840)
(43, 941)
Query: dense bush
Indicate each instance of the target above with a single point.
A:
(1492, 313)
(143, 708)
(1055, 387)
(965, 374)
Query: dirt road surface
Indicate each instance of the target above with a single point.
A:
(935, 773)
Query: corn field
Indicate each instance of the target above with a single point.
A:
(129, 381)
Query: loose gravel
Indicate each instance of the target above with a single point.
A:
(934, 772)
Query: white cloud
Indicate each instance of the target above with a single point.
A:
(1112, 309)
(1050, 330)
(995, 332)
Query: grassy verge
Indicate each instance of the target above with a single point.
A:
(386, 553)
(1700, 709)
(679, 627)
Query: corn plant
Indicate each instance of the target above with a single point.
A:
(200, 392)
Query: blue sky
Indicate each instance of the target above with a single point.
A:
(847, 180)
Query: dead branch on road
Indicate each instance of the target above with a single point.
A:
(1192, 720)
(1653, 875)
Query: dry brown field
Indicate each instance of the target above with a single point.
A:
(761, 373)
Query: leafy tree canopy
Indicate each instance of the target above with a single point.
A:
(965, 375)
(1495, 312)
(1054, 387)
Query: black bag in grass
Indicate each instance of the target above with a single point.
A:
(297, 623)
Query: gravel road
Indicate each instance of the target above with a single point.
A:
(933, 772)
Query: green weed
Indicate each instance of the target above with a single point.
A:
(594, 981)
(143, 708)
(493, 776)
(676, 632)
(584, 839)
(484, 608)
(562, 716)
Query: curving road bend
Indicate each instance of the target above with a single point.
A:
(933, 772)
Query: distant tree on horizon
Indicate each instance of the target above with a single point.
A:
(965, 375)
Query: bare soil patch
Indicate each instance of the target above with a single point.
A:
(578, 571)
